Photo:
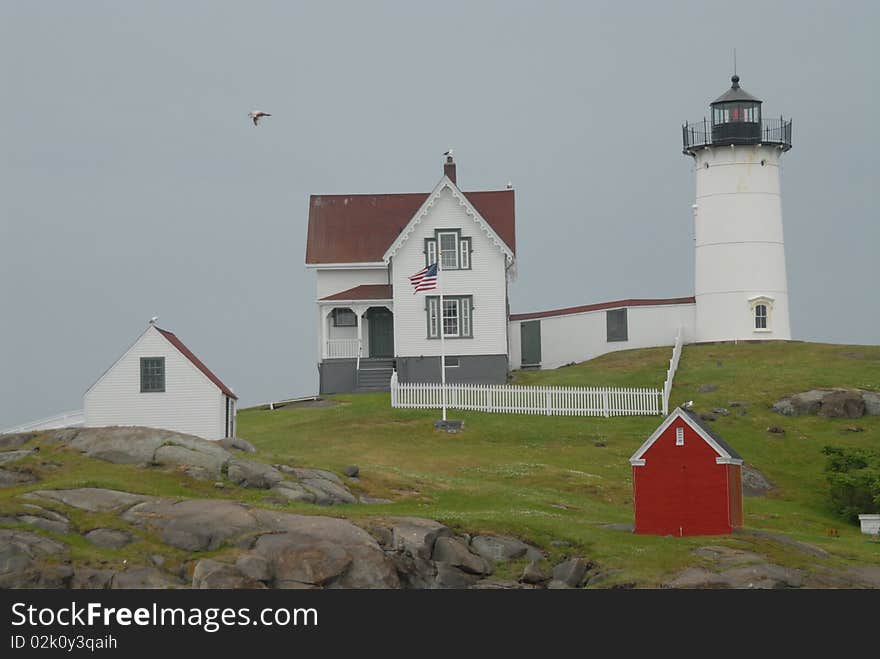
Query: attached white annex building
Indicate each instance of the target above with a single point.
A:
(160, 383)
(365, 247)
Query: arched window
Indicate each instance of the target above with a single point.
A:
(760, 316)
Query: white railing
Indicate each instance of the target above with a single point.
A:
(670, 372)
(63, 420)
(338, 348)
(516, 399)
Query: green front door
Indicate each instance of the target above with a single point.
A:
(381, 332)
(530, 342)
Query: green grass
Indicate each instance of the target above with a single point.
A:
(548, 479)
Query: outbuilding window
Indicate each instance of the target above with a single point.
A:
(152, 374)
(615, 325)
(679, 436)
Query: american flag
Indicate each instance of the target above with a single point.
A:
(425, 279)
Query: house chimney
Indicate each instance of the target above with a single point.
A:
(449, 168)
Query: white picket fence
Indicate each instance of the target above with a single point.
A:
(670, 372)
(515, 399)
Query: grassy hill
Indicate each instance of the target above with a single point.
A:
(558, 481)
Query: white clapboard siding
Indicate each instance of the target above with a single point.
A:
(486, 281)
(191, 403)
(516, 399)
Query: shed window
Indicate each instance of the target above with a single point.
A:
(615, 322)
(152, 374)
(344, 318)
(679, 436)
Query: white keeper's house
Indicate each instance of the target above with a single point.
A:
(365, 247)
(159, 383)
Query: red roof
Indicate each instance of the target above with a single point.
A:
(602, 305)
(363, 292)
(360, 228)
(186, 352)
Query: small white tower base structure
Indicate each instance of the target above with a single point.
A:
(740, 281)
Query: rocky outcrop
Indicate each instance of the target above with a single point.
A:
(754, 483)
(91, 499)
(839, 402)
(108, 538)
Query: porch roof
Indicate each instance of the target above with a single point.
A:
(362, 292)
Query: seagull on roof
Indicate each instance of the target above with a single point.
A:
(509, 185)
(256, 115)
(448, 153)
(153, 320)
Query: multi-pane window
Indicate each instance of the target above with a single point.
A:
(152, 374)
(456, 320)
(760, 316)
(679, 436)
(452, 251)
(344, 318)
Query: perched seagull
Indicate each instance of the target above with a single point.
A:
(509, 185)
(688, 404)
(153, 320)
(448, 153)
(256, 115)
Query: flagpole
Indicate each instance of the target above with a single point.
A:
(442, 339)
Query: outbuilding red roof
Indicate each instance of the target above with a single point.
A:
(186, 352)
(363, 292)
(360, 228)
(602, 305)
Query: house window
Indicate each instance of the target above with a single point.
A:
(456, 319)
(452, 362)
(454, 251)
(760, 316)
(152, 374)
(344, 318)
(679, 436)
(615, 325)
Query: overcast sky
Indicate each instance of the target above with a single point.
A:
(132, 182)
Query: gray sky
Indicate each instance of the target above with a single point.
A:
(132, 182)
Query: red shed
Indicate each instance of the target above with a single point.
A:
(686, 480)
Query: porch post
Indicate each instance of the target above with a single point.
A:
(325, 314)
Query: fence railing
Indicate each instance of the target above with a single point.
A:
(670, 372)
(63, 420)
(698, 134)
(516, 399)
(339, 348)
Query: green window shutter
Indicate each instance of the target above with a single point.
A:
(432, 320)
(466, 305)
(430, 251)
(465, 257)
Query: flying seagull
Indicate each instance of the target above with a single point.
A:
(256, 115)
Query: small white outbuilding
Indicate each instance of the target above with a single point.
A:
(160, 383)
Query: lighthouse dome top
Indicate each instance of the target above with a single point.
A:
(735, 94)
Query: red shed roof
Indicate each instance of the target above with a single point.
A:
(186, 352)
(360, 228)
(363, 292)
(726, 453)
(602, 305)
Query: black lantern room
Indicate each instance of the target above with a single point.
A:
(736, 119)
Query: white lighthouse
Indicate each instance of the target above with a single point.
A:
(740, 282)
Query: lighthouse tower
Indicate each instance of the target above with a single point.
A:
(740, 283)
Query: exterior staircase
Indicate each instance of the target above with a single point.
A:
(375, 375)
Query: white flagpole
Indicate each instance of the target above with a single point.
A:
(442, 340)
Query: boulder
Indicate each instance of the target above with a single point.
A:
(449, 576)
(754, 483)
(761, 575)
(119, 445)
(456, 553)
(253, 474)
(85, 578)
(18, 549)
(16, 440)
(12, 456)
(498, 548)
(238, 444)
(416, 535)
(848, 404)
(571, 572)
(872, 403)
(352, 471)
(91, 499)
(51, 525)
(108, 538)
(293, 492)
(210, 574)
(199, 464)
(53, 577)
(533, 574)
(309, 474)
(144, 578)
(328, 492)
(10, 478)
(254, 567)
(302, 560)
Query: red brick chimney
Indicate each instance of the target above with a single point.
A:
(449, 169)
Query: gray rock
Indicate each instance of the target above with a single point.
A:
(872, 403)
(53, 577)
(807, 402)
(46, 524)
(352, 471)
(303, 560)
(18, 549)
(707, 388)
(254, 567)
(535, 554)
(572, 572)
(12, 456)
(238, 444)
(45, 512)
(738, 403)
(456, 553)
(533, 574)
(697, 577)
(416, 535)
(119, 445)
(497, 584)
(108, 538)
(293, 492)
(721, 411)
(776, 430)
(708, 416)
(754, 483)
(328, 492)
(762, 575)
(16, 440)
(556, 584)
(372, 500)
(449, 577)
(253, 474)
(144, 578)
(847, 404)
(210, 574)
(10, 478)
(85, 578)
(310, 474)
(199, 464)
(498, 548)
(92, 499)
